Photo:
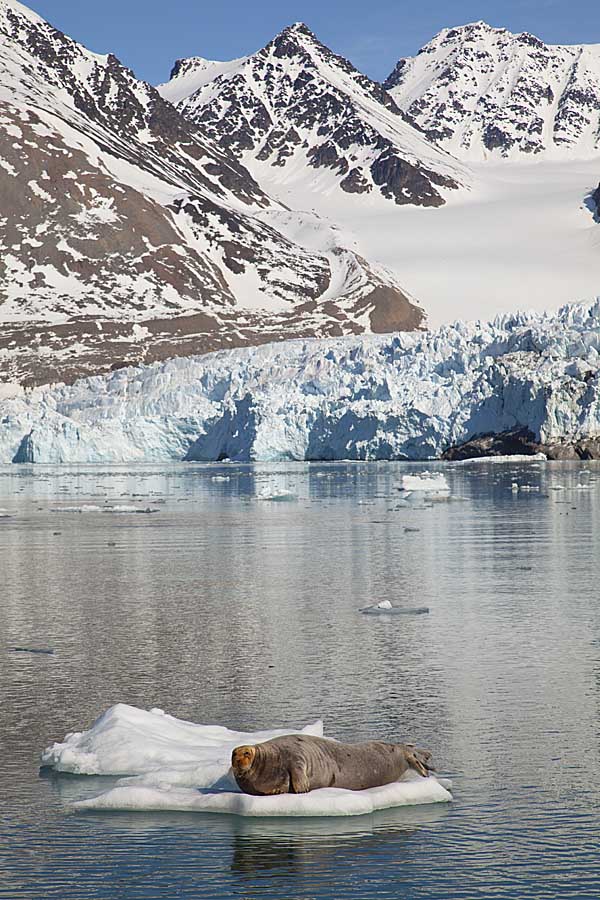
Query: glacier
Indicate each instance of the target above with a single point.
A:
(405, 396)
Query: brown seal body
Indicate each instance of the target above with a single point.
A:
(297, 763)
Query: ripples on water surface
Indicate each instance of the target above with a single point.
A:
(220, 607)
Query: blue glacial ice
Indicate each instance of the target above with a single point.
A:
(398, 396)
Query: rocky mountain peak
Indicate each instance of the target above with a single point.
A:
(12, 10)
(296, 31)
(185, 66)
(478, 91)
(126, 234)
(296, 110)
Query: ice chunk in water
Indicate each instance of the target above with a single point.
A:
(425, 483)
(410, 790)
(178, 765)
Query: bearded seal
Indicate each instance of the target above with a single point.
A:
(298, 763)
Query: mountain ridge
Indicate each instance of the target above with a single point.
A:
(281, 194)
(127, 235)
(481, 91)
(297, 107)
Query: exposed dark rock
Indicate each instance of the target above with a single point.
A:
(395, 77)
(560, 451)
(508, 443)
(355, 182)
(530, 40)
(405, 182)
(588, 448)
(461, 94)
(523, 441)
(496, 138)
(594, 203)
(392, 311)
(327, 155)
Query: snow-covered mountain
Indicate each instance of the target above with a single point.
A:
(479, 91)
(294, 112)
(509, 237)
(283, 194)
(369, 397)
(126, 234)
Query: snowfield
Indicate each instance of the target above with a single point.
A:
(402, 396)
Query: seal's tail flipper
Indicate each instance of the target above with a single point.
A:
(419, 760)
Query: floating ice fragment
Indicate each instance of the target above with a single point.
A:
(129, 741)
(178, 765)
(380, 610)
(426, 483)
(277, 496)
(410, 790)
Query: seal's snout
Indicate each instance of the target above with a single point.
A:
(242, 758)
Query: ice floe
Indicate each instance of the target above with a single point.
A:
(179, 765)
(277, 496)
(385, 608)
(426, 483)
(411, 790)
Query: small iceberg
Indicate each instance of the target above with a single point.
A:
(277, 496)
(410, 790)
(523, 488)
(178, 765)
(427, 483)
(386, 608)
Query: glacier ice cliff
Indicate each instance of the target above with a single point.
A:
(401, 396)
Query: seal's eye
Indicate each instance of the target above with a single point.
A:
(243, 757)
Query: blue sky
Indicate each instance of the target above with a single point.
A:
(148, 35)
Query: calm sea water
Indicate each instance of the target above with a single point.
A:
(222, 608)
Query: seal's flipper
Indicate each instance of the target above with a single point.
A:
(299, 783)
(419, 760)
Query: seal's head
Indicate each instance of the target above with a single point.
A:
(260, 770)
(242, 759)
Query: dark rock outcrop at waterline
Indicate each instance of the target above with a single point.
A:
(523, 442)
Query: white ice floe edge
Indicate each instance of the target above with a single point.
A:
(325, 802)
(427, 483)
(179, 765)
(508, 458)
